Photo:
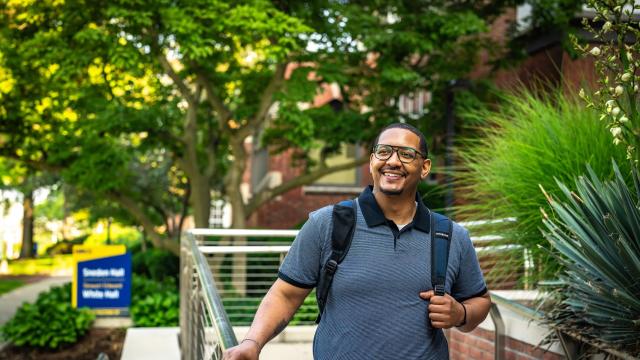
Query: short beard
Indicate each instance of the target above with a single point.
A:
(391, 192)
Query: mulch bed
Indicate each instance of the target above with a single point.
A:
(98, 340)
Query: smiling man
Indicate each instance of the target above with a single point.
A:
(381, 304)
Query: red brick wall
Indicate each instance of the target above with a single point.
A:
(293, 207)
(478, 345)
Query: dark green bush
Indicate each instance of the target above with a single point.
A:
(50, 322)
(156, 264)
(154, 303)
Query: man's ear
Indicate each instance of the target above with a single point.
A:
(426, 169)
(371, 164)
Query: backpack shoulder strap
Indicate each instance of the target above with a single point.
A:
(441, 229)
(344, 220)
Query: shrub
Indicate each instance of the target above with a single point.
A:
(525, 144)
(156, 264)
(596, 231)
(50, 322)
(154, 303)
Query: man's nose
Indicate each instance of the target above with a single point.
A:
(395, 157)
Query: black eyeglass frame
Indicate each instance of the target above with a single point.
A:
(396, 149)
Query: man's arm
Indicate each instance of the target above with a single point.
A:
(445, 312)
(274, 313)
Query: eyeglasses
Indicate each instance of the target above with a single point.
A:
(405, 154)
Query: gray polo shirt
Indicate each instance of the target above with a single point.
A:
(373, 310)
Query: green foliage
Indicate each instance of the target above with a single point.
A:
(308, 311)
(142, 103)
(525, 145)
(596, 232)
(241, 310)
(50, 322)
(125, 235)
(156, 264)
(154, 303)
(6, 285)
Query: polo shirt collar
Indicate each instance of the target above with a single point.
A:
(374, 216)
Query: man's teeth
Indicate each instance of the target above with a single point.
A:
(395, 176)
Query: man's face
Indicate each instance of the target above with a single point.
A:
(391, 176)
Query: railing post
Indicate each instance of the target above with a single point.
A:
(498, 335)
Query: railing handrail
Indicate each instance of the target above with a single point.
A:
(213, 300)
(244, 232)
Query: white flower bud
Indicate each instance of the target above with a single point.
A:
(619, 90)
(616, 141)
(607, 26)
(635, 88)
(625, 77)
(581, 93)
(616, 131)
(615, 111)
(629, 56)
(610, 104)
(595, 51)
(623, 119)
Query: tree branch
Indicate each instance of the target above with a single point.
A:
(182, 87)
(136, 211)
(224, 114)
(266, 100)
(266, 194)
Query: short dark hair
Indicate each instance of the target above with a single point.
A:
(413, 129)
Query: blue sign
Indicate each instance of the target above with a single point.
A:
(104, 284)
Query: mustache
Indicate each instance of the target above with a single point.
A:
(393, 168)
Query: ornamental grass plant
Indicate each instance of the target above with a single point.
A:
(530, 141)
(595, 231)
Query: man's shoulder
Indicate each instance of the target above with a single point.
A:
(322, 215)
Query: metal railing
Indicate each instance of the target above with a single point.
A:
(206, 328)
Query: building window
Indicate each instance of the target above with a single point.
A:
(413, 104)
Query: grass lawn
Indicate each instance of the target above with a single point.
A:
(7, 285)
(49, 265)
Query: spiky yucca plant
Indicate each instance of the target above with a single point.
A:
(596, 232)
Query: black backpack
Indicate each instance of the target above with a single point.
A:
(344, 220)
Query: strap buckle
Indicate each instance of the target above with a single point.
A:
(438, 290)
(331, 267)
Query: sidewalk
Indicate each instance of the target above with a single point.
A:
(11, 301)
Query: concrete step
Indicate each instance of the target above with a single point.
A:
(162, 344)
(151, 344)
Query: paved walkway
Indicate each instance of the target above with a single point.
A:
(11, 301)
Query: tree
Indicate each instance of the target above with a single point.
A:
(25, 180)
(98, 88)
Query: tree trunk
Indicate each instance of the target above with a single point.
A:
(200, 200)
(239, 216)
(239, 278)
(27, 226)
